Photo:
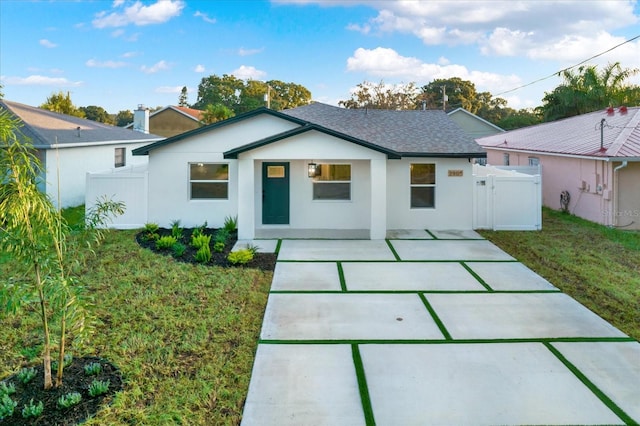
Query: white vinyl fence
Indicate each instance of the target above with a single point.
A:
(128, 185)
(507, 199)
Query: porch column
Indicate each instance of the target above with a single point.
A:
(246, 199)
(378, 199)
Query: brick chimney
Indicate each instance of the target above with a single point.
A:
(141, 119)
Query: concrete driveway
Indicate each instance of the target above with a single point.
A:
(431, 328)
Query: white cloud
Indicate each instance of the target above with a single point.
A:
(248, 52)
(199, 68)
(130, 54)
(158, 66)
(248, 73)
(498, 27)
(387, 63)
(138, 14)
(205, 17)
(46, 43)
(40, 80)
(92, 63)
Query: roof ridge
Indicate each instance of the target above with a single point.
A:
(623, 136)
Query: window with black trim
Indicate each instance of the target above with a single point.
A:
(209, 181)
(332, 182)
(120, 157)
(423, 186)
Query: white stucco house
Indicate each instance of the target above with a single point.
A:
(69, 147)
(316, 171)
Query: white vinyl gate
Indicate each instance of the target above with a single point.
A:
(127, 185)
(506, 200)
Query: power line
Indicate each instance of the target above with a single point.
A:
(568, 68)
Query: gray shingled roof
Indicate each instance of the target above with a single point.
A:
(579, 135)
(45, 128)
(406, 132)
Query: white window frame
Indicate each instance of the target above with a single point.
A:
(316, 181)
(505, 159)
(423, 185)
(192, 181)
(534, 161)
(116, 155)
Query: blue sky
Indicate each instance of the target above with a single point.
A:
(118, 54)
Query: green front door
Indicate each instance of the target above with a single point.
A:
(275, 193)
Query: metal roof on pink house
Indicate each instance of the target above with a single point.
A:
(610, 133)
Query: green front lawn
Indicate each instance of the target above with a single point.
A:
(596, 265)
(184, 336)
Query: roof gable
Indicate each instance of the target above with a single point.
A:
(580, 135)
(47, 129)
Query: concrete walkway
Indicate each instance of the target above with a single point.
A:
(431, 328)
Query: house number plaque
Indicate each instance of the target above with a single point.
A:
(455, 173)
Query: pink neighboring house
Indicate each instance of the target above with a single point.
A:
(594, 157)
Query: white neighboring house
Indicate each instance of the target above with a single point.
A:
(69, 147)
(316, 171)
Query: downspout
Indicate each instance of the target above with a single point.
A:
(616, 203)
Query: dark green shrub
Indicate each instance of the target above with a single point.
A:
(240, 257)
(178, 249)
(222, 235)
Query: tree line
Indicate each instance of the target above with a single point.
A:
(584, 90)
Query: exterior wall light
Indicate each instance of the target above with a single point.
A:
(313, 170)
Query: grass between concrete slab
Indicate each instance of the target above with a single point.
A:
(362, 386)
(596, 265)
(592, 387)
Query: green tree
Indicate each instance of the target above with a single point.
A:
(382, 96)
(241, 96)
(96, 113)
(183, 99)
(215, 90)
(215, 113)
(1, 92)
(36, 235)
(589, 90)
(124, 118)
(61, 103)
(458, 92)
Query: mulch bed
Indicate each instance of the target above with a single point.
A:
(264, 261)
(74, 380)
